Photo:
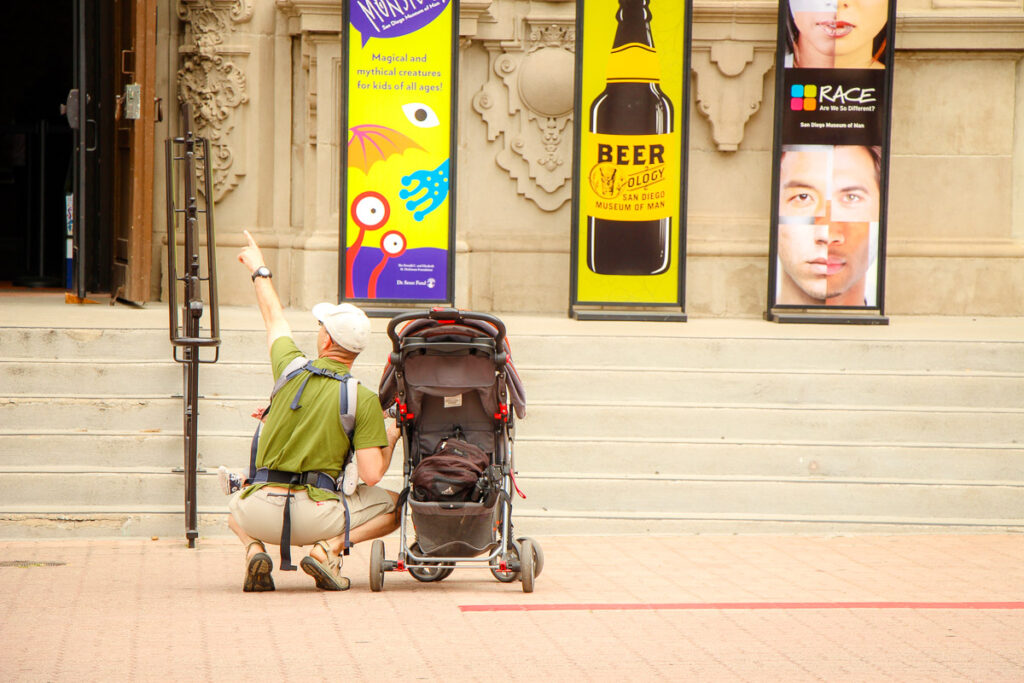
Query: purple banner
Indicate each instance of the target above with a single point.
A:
(392, 18)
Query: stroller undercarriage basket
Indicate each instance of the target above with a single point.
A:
(454, 529)
(451, 377)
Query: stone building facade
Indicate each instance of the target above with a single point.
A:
(264, 79)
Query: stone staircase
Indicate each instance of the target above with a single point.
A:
(711, 426)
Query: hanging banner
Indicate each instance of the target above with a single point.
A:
(399, 99)
(833, 110)
(629, 180)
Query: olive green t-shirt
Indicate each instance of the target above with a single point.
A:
(311, 438)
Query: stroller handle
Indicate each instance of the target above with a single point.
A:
(447, 314)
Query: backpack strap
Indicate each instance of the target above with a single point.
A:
(291, 370)
(348, 398)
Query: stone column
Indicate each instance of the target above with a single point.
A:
(314, 100)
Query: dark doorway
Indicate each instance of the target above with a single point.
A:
(35, 142)
(77, 116)
(95, 103)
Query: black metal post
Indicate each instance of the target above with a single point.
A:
(192, 312)
(188, 334)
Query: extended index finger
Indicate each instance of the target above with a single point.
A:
(252, 242)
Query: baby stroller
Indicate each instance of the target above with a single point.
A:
(451, 386)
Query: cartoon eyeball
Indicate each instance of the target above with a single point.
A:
(420, 115)
(370, 210)
(393, 243)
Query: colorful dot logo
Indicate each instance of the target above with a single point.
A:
(803, 97)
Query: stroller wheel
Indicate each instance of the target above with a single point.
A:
(377, 566)
(513, 556)
(538, 554)
(431, 572)
(527, 565)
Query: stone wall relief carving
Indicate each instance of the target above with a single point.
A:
(730, 86)
(527, 103)
(212, 82)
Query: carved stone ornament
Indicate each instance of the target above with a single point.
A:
(472, 13)
(527, 102)
(730, 86)
(211, 82)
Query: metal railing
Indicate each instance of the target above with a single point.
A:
(183, 185)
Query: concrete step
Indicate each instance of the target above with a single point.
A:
(763, 422)
(233, 379)
(538, 455)
(129, 344)
(595, 420)
(672, 348)
(599, 497)
(129, 488)
(775, 386)
(167, 521)
(104, 377)
(739, 426)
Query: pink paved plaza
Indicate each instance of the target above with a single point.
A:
(716, 608)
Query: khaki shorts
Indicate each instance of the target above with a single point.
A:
(260, 514)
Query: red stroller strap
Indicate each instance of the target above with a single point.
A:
(512, 476)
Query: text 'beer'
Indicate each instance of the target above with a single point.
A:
(630, 157)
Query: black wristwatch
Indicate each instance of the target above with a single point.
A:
(262, 271)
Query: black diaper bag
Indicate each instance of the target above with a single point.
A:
(457, 471)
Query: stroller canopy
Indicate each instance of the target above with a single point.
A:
(456, 374)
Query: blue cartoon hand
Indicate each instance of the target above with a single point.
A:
(435, 183)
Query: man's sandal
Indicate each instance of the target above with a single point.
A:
(327, 574)
(257, 571)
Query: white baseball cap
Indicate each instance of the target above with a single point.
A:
(348, 326)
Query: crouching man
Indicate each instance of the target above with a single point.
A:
(294, 498)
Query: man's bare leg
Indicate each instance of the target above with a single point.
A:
(245, 538)
(381, 525)
(257, 572)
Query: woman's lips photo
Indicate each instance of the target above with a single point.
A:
(836, 29)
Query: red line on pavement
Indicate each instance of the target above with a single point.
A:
(631, 606)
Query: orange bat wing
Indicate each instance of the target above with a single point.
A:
(371, 143)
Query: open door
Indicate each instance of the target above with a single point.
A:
(79, 113)
(114, 110)
(135, 117)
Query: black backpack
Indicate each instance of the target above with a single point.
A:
(455, 472)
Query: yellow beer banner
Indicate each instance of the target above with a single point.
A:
(629, 206)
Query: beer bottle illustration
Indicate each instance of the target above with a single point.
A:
(631, 156)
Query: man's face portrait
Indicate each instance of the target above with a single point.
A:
(829, 199)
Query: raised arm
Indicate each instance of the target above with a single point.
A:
(266, 296)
